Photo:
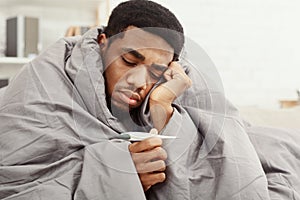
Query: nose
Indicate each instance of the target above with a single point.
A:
(138, 77)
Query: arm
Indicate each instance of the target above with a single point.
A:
(162, 97)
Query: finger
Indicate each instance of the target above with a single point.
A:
(178, 71)
(145, 145)
(156, 166)
(176, 66)
(173, 70)
(155, 154)
(177, 85)
(152, 178)
(177, 82)
(153, 131)
(168, 74)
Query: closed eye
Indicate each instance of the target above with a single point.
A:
(157, 71)
(128, 62)
(154, 75)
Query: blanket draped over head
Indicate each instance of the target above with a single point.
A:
(55, 130)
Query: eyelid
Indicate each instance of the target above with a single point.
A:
(156, 76)
(134, 53)
(153, 75)
(128, 62)
(159, 67)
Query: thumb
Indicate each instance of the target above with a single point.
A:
(153, 131)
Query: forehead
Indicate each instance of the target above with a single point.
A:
(137, 38)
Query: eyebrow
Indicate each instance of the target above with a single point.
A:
(139, 56)
(135, 53)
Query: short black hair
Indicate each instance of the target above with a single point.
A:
(144, 14)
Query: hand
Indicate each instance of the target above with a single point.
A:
(148, 157)
(162, 97)
(177, 82)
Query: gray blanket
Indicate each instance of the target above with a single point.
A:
(55, 128)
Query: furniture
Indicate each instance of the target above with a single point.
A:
(55, 17)
(289, 103)
(277, 117)
(9, 66)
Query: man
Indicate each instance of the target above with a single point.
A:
(134, 62)
(62, 116)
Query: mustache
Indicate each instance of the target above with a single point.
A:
(126, 88)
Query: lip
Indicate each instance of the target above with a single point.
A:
(130, 98)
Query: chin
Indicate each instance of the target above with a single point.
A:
(120, 112)
(134, 107)
(120, 107)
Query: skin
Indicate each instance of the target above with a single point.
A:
(149, 159)
(134, 63)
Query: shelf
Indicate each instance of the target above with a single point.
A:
(14, 60)
(56, 15)
(9, 66)
(289, 103)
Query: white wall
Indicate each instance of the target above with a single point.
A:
(54, 20)
(253, 43)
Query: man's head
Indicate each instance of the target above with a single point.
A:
(143, 13)
(141, 40)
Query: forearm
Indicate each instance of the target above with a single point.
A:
(160, 114)
(162, 97)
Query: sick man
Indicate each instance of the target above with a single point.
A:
(62, 115)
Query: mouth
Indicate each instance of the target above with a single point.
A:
(130, 98)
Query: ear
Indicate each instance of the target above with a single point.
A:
(102, 41)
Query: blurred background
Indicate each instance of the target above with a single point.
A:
(253, 43)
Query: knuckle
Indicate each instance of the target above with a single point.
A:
(154, 141)
(143, 177)
(158, 140)
(140, 168)
(162, 154)
(131, 147)
(162, 165)
(161, 177)
(148, 143)
(157, 150)
(175, 64)
(143, 168)
(134, 156)
(137, 156)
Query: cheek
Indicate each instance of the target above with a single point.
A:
(113, 75)
(110, 80)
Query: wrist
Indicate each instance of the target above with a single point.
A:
(166, 106)
(160, 113)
